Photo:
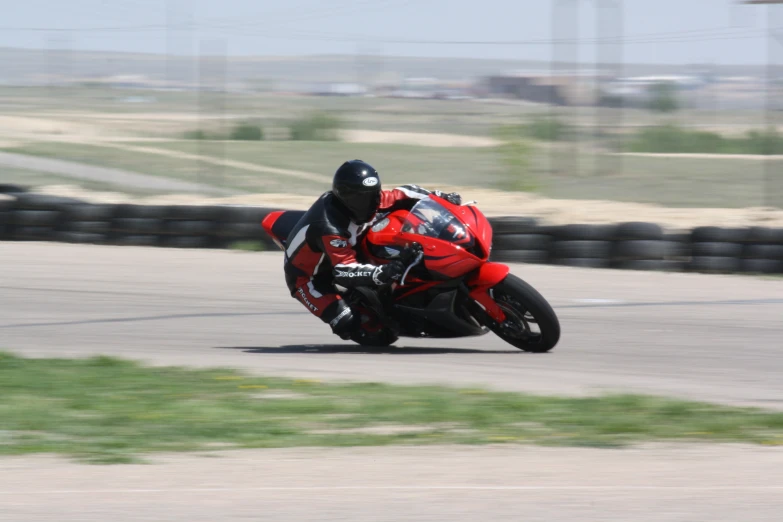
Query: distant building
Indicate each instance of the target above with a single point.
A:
(554, 89)
(340, 89)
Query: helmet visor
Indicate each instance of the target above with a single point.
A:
(362, 205)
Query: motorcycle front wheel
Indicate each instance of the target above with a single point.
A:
(531, 324)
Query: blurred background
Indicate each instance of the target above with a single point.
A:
(669, 103)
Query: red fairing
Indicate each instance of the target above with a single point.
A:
(480, 283)
(475, 220)
(269, 222)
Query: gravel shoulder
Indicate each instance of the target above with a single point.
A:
(499, 483)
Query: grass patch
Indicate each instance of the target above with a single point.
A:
(320, 126)
(245, 131)
(104, 409)
(675, 139)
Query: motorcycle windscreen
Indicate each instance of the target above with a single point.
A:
(431, 219)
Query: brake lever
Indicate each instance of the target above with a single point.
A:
(416, 261)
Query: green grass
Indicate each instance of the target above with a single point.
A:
(674, 139)
(560, 171)
(109, 410)
(397, 163)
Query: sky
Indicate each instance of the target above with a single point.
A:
(660, 31)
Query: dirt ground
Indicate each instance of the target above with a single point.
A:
(19, 129)
(455, 484)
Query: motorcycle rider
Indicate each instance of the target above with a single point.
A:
(320, 257)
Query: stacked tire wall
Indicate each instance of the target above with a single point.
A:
(640, 246)
(627, 246)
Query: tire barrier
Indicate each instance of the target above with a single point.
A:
(27, 216)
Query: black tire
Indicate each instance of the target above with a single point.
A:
(90, 212)
(136, 240)
(241, 214)
(137, 226)
(5, 218)
(539, 257)
(774, 252)
(35, 218)
(513, 225)
(521, 242)
(678, 246)
(762, 266)
(638, 250)
(89, 227)
(652, 265)
(715, 265)
(128, 211)
(521, 302)
(32, 233)
(583, 232)
(764, 235)
(716, 250)
(186, 242)
(581, 249)
(29, 201)
(241, 231)
(81, 237)
(195, 212)
(7, 188)
(718, 235)
(6, 202)
(638, 231)
(190, 228)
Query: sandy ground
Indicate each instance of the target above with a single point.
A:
(417, 138)
(492, 202)
(497, 483)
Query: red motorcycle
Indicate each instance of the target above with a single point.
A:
(450, 289)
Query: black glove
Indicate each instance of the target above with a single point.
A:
(410, 253)
(451, 197)
(386, 274)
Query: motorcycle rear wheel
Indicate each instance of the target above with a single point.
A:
(525, 307)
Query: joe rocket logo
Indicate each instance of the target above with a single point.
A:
(370, 182)
(338, 243)
(310, 305)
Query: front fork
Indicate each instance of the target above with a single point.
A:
(481, 283)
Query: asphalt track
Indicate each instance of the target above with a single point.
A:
(716, 338)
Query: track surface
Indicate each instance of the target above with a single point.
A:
(717, 338)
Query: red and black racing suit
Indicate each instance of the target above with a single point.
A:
(320, 253)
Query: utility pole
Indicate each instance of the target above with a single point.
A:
(565, 53)
(772, 191)
(610, 29)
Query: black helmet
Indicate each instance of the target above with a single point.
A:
(358, 187)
